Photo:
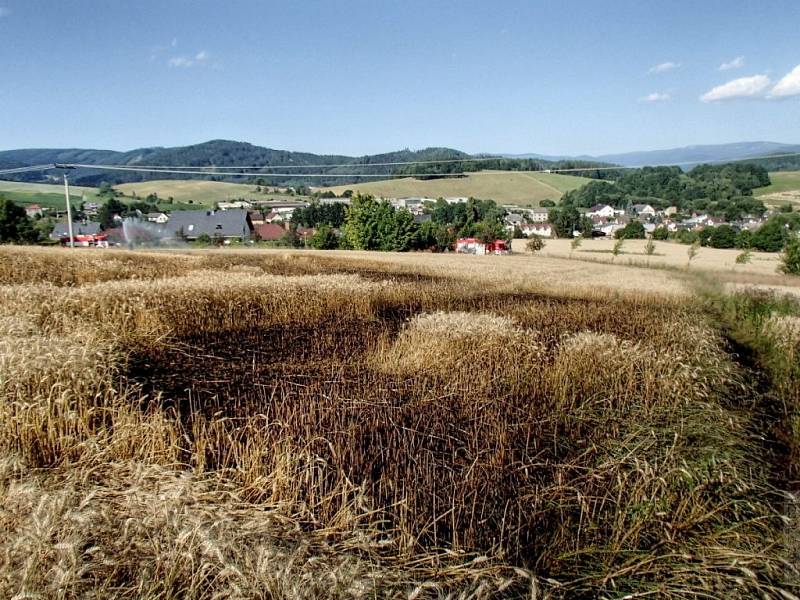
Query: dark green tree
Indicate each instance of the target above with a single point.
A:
(108, 210)
(632, 231)
(723, 236)
(744, 239)
(15, 225)
(790, 259)
(564, 219)
(660, 233)
(324, 238)
(771, 236)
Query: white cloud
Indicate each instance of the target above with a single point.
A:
(4, 12)
(736, 63)
(789, 85)
(656, 97)
(744, 87)
(180, 61)
(184, 62)
(664, 67)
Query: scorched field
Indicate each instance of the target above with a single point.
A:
(225, 424)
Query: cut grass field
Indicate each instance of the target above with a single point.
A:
(505, 187)
(299, 424)
(199, 192)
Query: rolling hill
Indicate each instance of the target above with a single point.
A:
(526, 189)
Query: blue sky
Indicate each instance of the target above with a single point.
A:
(357, 77)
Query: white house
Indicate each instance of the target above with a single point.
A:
(610, 228)
(234, 204)
(157, 217)
(643, 210)
(601, 210)
(540, 229)
(539, 215)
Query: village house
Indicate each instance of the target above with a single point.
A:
(61, 230)
(539, 215)
(157, 217)
(234, 204)
(274, 217)
(269, 232)
(273, 232)
(540, 229)
(601, 210)
(233, 224)
(34, 210)
(643, 210)
(670, 211)
(513, 220)
(256, 217)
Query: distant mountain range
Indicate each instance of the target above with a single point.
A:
(685, 156)
(225, 153)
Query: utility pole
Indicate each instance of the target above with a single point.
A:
(69, 212)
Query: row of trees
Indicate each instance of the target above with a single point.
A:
(772, 236)
(369, 224)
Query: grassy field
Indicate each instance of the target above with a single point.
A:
(525, 189)
(785, 188)
(782, 181)
(296, 424)
(46, 195)
(199, 192)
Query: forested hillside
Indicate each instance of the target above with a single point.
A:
(220, 153)
(718, 189)
(294, 166)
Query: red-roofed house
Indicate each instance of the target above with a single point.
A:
(269, 232)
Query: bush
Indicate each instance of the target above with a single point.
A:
(632, 231)
(660, 233)
(723, 236)
(324, 238)
(790, 259)
(535, 244)
(770, 237)
(744, 239)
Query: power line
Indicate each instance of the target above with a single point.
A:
(26, 169)
(331, 166)
(206, 173)
(203, 168)
(211, 170)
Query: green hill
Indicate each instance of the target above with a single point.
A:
(525, 189)
(785, 188)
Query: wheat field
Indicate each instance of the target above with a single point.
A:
(252, 424)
